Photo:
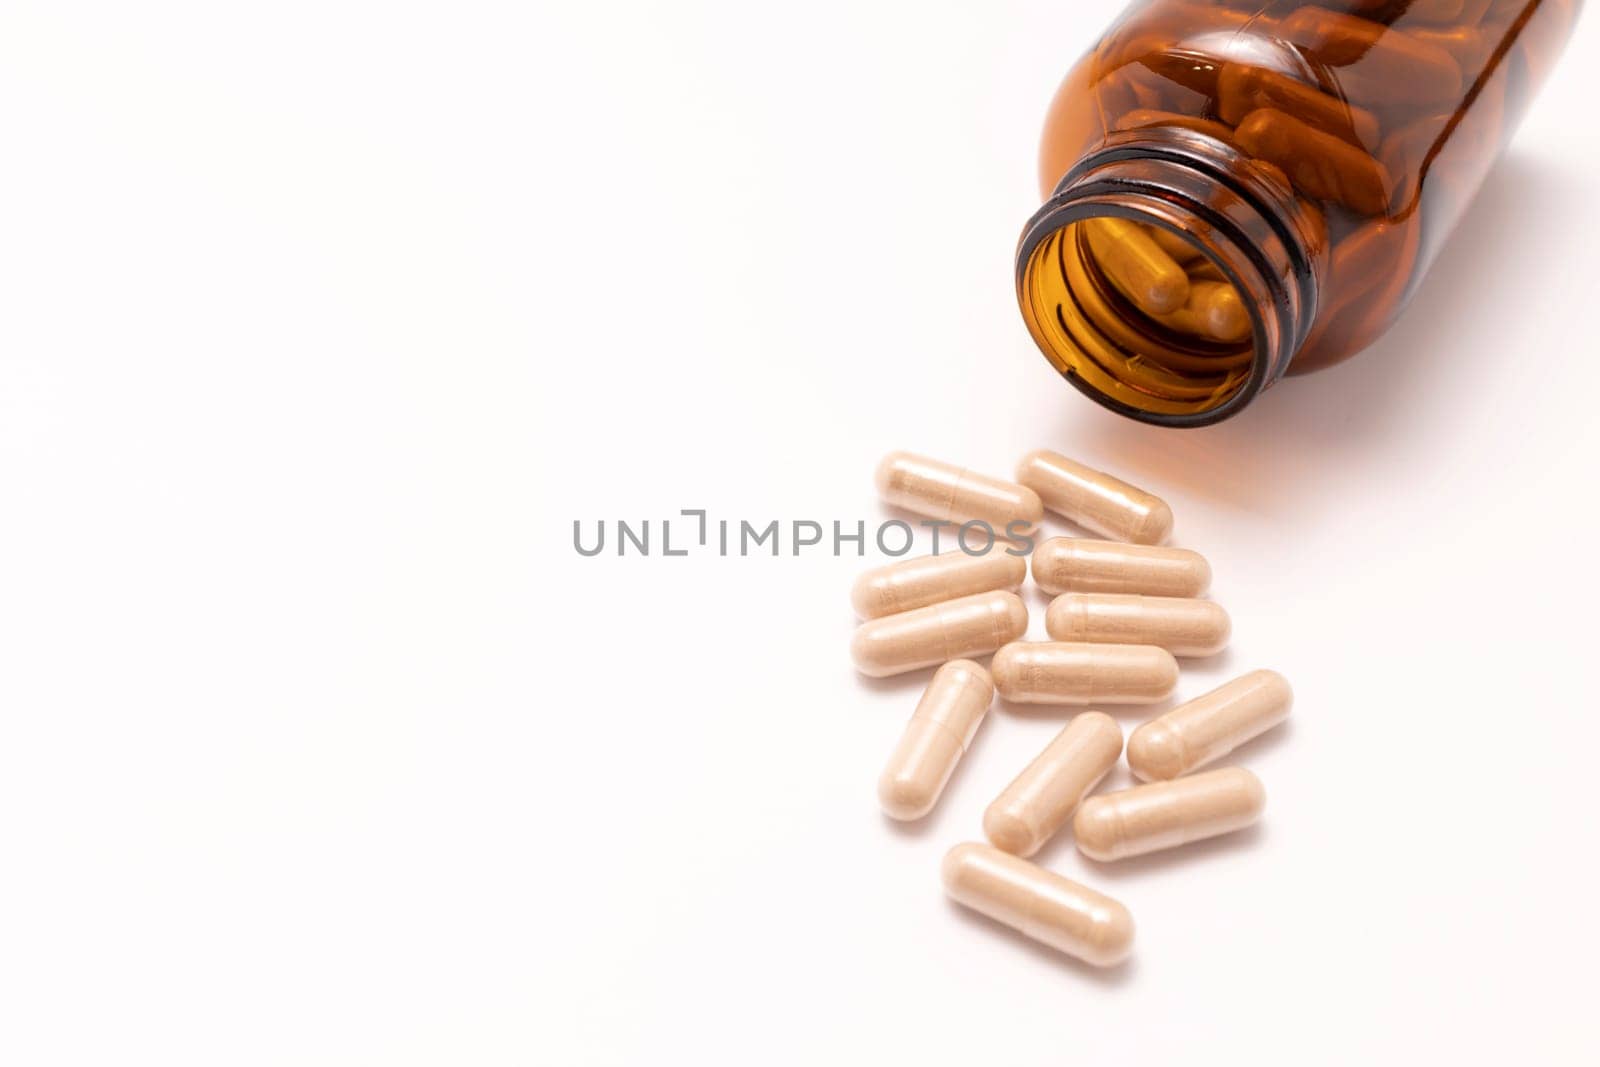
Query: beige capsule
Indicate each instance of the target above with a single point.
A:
(916, 583)
(1047, 672)
(1043, 797)
(1181, 625)
(956, 629)
(1040, 904)
(1149, 818)
(1081, 565)
(947, 717)
(1209, 727)
(1094, 500)
(950, 493)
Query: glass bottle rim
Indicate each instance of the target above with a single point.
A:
(1254, 243)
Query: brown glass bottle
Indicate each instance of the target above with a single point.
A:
(1238, 190)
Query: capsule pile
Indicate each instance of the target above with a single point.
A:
(1125, 608)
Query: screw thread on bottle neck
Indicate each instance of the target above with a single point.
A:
(1242, 225)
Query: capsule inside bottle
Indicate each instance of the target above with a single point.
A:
(1136, 265)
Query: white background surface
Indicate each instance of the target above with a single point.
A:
(320, 323)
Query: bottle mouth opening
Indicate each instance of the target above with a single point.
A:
(1140, 314)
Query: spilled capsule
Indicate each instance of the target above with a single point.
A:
(1041, 799)
(952, 494)
(956, 629)
(1181, 625)
(1040, 904)
(941, 728)
(916, 583)
(1047, 672)
(1082, 565)
(1094, 500)
(1209, 727)
(1161, 815)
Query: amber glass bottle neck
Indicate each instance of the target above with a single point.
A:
(1240, 216)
